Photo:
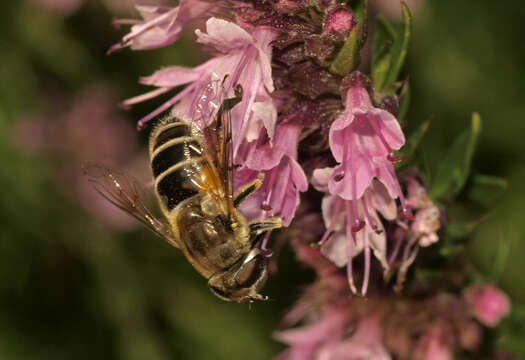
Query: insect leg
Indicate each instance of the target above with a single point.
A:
(247, 189)
(266, 224)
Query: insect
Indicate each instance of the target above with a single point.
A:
(193, 185)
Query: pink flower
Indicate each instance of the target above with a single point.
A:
(284, 177)
(160, 25)
(488, 304)
(243, 59)
(307, 340)
(362, 139)
(432, 346)
(342, 241)
(365, 343)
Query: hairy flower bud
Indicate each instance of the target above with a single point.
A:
(339, 22)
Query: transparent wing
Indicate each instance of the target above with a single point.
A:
(128, 194)
(211, 120)
(225, 148)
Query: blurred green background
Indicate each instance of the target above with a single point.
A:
(75, 286)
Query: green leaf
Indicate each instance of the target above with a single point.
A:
(404, 101)
(455, 167)
(461, 229)
(399, 49)
(383, 39)
(501, 258)
(486, 189)
(349, 57)
(412, 143)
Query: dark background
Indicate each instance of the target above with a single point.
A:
(73, 285)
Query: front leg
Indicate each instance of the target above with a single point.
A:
(248, 189)
(266, 224)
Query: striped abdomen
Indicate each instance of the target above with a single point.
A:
(176, 161)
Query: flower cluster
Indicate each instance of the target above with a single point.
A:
(433, 327)
(310, 115)
(279, 53)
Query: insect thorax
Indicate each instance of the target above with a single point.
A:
(208, 240)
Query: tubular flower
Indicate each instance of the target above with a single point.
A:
(160, 25)
(362, 140)
(341, 240)
(243, 59)
(284, 178)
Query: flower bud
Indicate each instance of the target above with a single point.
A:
(488, 304)
(339, 21)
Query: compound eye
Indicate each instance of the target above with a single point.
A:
(219, 293)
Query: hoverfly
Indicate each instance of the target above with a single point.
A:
(192, 170)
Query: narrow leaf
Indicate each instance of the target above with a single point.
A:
(455, 167)
(399, 48)
(404, 101)
(383, 39)
(412, 143)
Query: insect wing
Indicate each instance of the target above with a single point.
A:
(217, 140)
(126, 193)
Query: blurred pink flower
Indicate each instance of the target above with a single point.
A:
(488, 303)
(427, 218)
(432, 346)
(160, 25)
(306, 341)
(364, 344)
(342, 240)
(88, 129)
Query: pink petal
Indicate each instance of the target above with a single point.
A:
(266, 157)
(381, 200)
(335, 249)
(171, 76)
(265, 112)
(264, 36)
(298, 176)
(359, 173)
(377, 242)
(314, 333)
(223, 35)
(337, 136)
(386, 174)
(191, 9)
(321, 177)
(389, 128)
(358, 97)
